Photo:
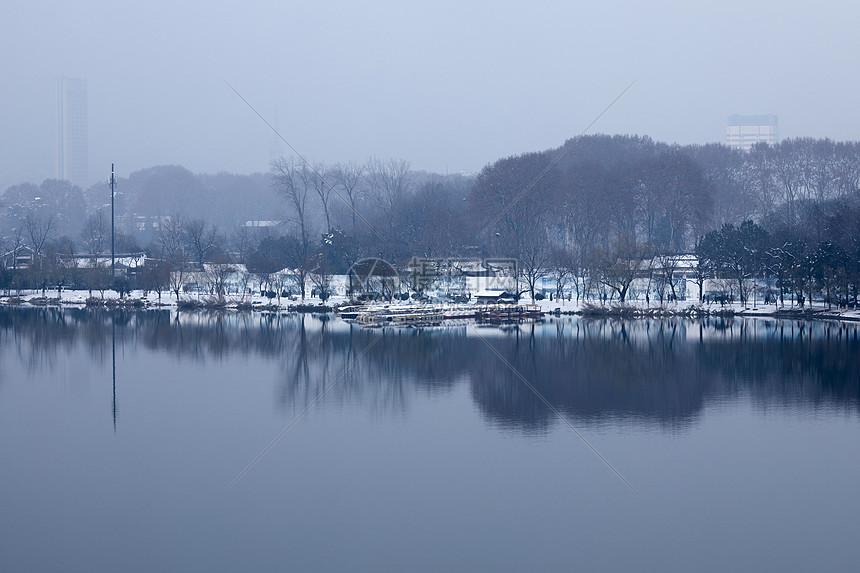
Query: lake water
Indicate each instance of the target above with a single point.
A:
(571, 444)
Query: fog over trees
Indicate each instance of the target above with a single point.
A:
(594, 207)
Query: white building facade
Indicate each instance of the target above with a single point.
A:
(744, 131)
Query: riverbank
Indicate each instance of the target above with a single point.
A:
(255, 302)
(639, 309)
(148, 300)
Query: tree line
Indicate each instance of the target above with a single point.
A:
(599, 209)
(585, 213)
(818, 257)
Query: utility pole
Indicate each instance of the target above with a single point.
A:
(112, 252)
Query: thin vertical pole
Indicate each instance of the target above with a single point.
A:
(112, 251)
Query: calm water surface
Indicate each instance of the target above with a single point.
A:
(120, 435)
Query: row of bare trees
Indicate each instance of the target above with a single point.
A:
(574, 211)
(338, 214)
(599, 206)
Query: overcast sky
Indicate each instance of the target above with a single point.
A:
(449, 86)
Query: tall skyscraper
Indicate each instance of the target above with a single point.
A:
(744, 131)
(70, 144)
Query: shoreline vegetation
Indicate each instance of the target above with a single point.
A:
(136, 303)
(629, 310)
(698, 311)
(622, 218)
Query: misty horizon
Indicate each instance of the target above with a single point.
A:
(449, 88)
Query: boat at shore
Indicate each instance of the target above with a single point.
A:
(411, 315)
(506, 314)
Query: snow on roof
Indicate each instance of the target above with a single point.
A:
(261, 223)
(490, 293)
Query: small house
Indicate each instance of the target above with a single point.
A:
(494, 297)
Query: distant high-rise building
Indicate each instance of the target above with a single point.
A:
(744, 131)
(70, 143)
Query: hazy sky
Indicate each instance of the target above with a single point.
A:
(449, 86)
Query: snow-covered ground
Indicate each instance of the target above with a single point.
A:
(168, 300)
(819, 310)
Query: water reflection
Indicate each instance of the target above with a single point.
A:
(113, 371)
(660, 373)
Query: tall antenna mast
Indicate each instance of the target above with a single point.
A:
(112, 252)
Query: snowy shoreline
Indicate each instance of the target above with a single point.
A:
(137, 300)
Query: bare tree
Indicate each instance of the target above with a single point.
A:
(618, 267)
(321, 278)
(759, 174)
(300, 260)
(244, 281)
(666, 266)
(584, 211)
(95, 233)
(178, 275)
(433, 221)
(688, 204)
(265, 260)
(789, 174)
(319, 182)
(168, 238)
(95, 236)
(155, 276)
(535, 257)
(390, 181)
(511, 200)
(16, 241)
(279, 282)
(561, 262)
(200, 238)
(292, 181)
(217, 276)
(818, 162)
(847, 168)
(730, 187)
(348, 178)
(39, 229)
(171, 244)
(241, 243)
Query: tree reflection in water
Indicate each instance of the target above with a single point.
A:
(654, 372)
